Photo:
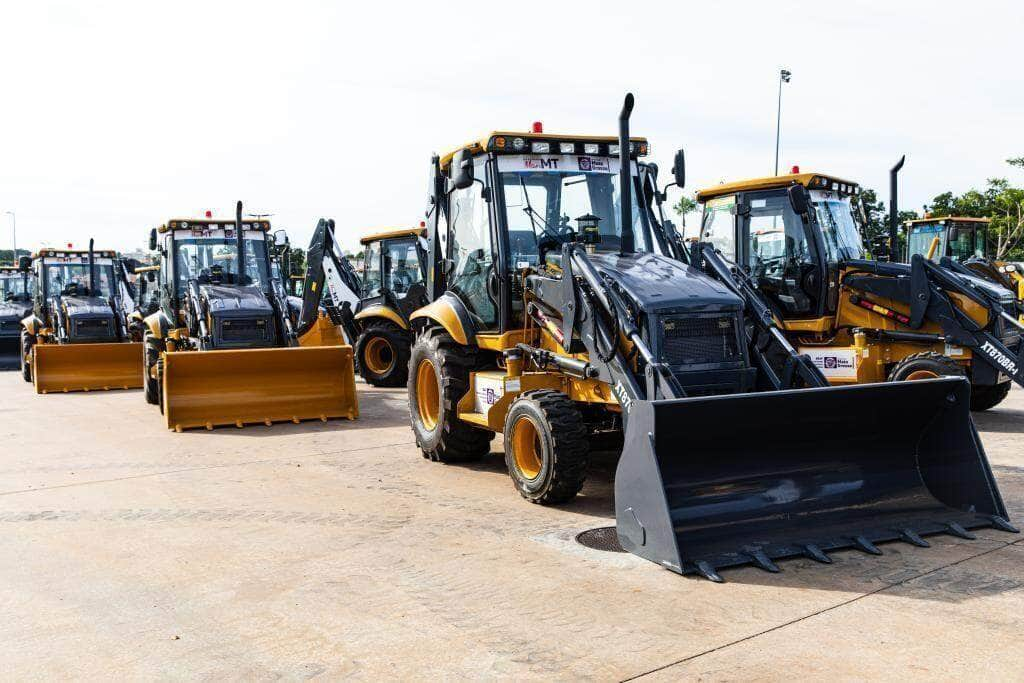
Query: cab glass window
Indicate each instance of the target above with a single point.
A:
(470, 251)
(719, 226)
(779, 256)
(403, 267)
(371, 270)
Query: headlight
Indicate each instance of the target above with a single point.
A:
(613, 150)
(567, 147)
(591, 148)
(540, 147)
(518, 144)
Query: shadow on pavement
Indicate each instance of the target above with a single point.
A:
(1003, 421)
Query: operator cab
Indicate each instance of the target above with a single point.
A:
(15, 284)
(960, 238)
(795, 259)
(507, 203)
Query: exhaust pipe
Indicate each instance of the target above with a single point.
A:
(92, 269)
(627, 243)
(240, 242)
(894, 256)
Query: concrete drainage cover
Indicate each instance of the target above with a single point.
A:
(602, 538)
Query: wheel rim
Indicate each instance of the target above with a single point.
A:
(921, 374)
(428, 395)
(378, 355)
(526, 448)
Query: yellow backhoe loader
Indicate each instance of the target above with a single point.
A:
(558, 316)
(79, 336)
(373, 307)
(222, 349)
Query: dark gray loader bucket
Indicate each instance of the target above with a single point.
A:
(705, 483)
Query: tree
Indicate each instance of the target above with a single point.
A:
(685, 205)
(876, 230)
(7, 255)
(297, 261)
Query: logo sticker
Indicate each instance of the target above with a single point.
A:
(594, 164)
(540, 163)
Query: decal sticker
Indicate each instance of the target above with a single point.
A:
(594, 164)
(833, 363)
(1000, 358)
(487, 391)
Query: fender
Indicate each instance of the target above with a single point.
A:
(32, 325)
(450, 313)
(158, 324)
(385, 312)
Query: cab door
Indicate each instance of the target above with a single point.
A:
(470, 251)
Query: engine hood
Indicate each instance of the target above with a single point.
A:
(659, 283)
(93, 306)
(14, 310)
(229, 300)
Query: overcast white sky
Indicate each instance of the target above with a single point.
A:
(114, 116)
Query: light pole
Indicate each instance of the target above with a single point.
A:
(784, 76)
(14, 235)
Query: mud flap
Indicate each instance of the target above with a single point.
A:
(258, 386)
(86, 367)
(706, 483)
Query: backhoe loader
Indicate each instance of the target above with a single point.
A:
(16, 288)
(79, 335)
(222, 349)
(556, 317)
(862, 320)
(372, 308)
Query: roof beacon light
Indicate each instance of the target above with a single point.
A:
(537, 127)
(795, 170)
(209, 214)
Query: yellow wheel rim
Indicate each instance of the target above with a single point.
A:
(379, 356)
(921, 374)
(428, 395)
(526, 448)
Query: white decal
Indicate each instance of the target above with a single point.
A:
(1001, 359)
(833, 363)
(487, 391)
(620, 393)
(594, 164)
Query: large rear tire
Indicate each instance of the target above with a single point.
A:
(927, 365)
(150, 357)
(546, 447)
(984, 398)
(382, 351)
(27, 342)
(438, 377)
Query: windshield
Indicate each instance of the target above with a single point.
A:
(842, 237)
(546, 197)
(72, 279)
(919, 241)
(214, 260)
(16, 286)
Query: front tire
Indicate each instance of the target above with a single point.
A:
(546, 448)
(27, 342)
(439, 371)
(382, 351)
(984, 398)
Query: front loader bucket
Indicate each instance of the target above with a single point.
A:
(86, 367)
(258, 386)
(705, 483)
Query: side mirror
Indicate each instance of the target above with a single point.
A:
(152, 239)
(25, 263)
(679, 169)
(798, 199)
(954, 234)
(462, 169)
(280, 238)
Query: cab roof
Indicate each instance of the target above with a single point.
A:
(393, 233)
(940, 219)
(502, 141)
(813, 181)
(47, 252)
(212, 224)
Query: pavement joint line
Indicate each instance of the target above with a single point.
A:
(200, 468)
(684, 660)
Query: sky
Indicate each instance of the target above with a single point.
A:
(116, 116)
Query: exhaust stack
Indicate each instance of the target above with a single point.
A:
(240, 242)
(627, 244)
(92, 269)
(894, 243)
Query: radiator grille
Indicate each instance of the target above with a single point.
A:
(93, 328)
(244, 330)
(10, 326)
(699, 341)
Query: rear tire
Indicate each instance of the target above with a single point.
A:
(150, 357)
(27, 342)
(382, 352)
(438, 377)
(984, 398)
(928, 365)
(546, 448)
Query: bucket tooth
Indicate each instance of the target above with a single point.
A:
(762, 561)
(956, 530)
(815, 553)
(862, 543)
(910, 536)
(1003, 525)
(708, 572)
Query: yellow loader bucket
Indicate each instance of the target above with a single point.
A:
(258, 386)
(86, 367)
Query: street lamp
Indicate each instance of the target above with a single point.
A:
(14, 234)
(784, 76)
